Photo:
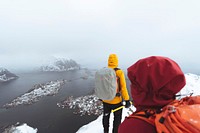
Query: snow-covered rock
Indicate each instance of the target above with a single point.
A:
(5, 75)
(85, 105)
(38, 91)
(20, 128)
(60, 64)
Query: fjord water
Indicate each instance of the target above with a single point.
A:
(45, 115)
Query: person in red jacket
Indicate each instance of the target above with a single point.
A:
(155, 81)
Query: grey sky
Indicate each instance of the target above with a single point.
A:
(89, 30)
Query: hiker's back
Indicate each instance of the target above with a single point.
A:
(115, 101)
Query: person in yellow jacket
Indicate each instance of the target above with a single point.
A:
(109, 105)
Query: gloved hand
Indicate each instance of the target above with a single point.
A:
(128, 104)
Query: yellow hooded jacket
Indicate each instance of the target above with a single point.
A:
(113, 63)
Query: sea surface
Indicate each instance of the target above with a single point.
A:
(45, 115)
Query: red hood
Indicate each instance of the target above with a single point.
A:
(155, 81)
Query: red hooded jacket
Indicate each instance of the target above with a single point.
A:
(154, 82)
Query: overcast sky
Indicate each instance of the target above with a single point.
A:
(87, 31)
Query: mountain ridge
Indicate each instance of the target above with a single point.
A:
(60, 65)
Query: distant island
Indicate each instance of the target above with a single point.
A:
(60, 65)
(6, 75)
(38, 91)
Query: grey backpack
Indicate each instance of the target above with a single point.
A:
(106, 83)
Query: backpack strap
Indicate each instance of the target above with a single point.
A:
(118, 82)
(116, 68)
(147, 116)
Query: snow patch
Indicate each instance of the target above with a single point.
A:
(89, 104)
(24, 128)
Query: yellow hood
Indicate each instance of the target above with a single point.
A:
(113, 61)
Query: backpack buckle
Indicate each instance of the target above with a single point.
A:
(171, 108)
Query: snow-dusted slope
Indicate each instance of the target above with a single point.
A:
(5, 75)
(60, 64)
(192, 86)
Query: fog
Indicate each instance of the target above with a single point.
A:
(33, 32)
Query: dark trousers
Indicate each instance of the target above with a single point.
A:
(106, 116)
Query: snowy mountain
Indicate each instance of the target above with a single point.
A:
(59, 65)
(5, 75)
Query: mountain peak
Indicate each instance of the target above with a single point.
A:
(61, 64)
(6, 75)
